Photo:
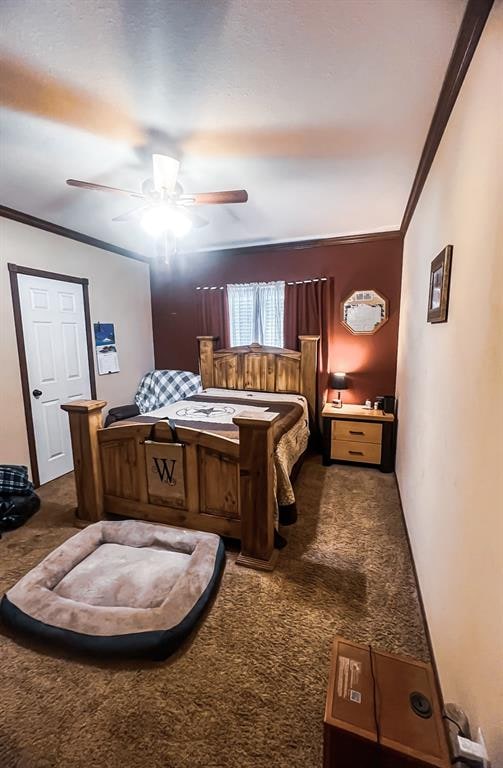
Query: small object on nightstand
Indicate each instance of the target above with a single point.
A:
(338, 381)
(389, 404)
(368, 405)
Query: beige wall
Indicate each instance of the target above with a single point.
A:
(450, 390)
(119, 292)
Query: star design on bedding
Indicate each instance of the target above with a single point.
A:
(207, 412)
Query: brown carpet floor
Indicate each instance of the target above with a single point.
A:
(248, 690)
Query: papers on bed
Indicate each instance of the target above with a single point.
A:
(210, 412)
(272, 397)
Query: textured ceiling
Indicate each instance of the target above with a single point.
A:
(319, 108)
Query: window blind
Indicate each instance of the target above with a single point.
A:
(256, 313)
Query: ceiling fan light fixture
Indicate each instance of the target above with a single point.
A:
(164, 203)
(179, 222)
(165, 173)
(163, 218)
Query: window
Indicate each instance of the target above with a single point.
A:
(256, 313)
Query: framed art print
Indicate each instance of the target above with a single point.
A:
(440, 278)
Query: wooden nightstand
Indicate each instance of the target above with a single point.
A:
(358, 435)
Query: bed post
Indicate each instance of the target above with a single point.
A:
(308, 369)
(85, 420)
(206, 348)
(256, 481)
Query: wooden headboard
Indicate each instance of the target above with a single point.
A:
(266, 369)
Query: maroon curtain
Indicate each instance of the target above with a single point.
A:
(309, 310)
(214, 314)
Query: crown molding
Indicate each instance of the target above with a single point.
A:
(292, 245)
(56, 229)
(299, 245)
(473, 23)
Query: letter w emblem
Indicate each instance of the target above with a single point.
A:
(166, 470)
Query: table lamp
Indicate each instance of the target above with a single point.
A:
(338, 381)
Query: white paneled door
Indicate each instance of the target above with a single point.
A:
(55, 342)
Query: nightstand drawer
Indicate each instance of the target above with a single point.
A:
(356, 431)
(347, 450)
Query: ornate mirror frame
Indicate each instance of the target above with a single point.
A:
(363, 297)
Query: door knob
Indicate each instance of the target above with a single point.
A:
(36, 393)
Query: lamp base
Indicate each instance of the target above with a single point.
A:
(337, 403)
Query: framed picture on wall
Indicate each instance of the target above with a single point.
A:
(440, 278)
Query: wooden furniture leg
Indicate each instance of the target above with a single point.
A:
(85, 420)
(256, 470)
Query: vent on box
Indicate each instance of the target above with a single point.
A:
(420, 704)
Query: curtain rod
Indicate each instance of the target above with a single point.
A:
(210, 287)
(293, 282)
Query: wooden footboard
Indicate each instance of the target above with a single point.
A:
(194, 479)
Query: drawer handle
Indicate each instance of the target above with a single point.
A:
(354, 432)
(356, 453)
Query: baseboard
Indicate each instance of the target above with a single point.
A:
(420, 597)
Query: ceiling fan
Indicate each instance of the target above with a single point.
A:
(166, 207)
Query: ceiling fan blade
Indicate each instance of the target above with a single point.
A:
(103, 188)
(197, 220)
(130, 214)
(25, 89)
(215, 198)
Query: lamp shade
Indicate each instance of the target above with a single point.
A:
(338, 381)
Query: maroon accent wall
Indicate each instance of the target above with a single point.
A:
(370, 361)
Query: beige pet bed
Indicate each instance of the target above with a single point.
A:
(119, 587)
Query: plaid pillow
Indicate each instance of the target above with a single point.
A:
(14, 480)
(159, 388)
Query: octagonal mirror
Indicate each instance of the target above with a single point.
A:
(364, 312)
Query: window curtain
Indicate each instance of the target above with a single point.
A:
(309, 310)
(214, 314)
(256, 313)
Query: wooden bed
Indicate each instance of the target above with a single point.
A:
(197, 479)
